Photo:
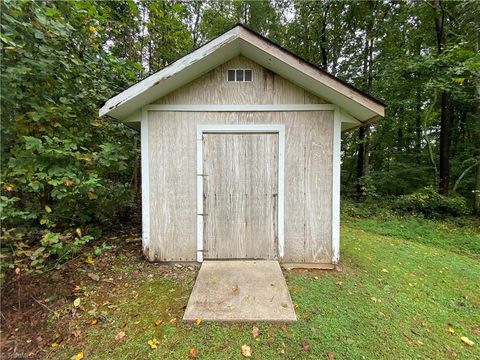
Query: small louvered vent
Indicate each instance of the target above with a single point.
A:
(240, 75)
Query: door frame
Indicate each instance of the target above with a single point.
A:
(241, 129)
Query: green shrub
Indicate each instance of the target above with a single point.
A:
(431, 204)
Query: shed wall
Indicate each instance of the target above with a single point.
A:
(308, 181)
(266, 88)
(308, 162)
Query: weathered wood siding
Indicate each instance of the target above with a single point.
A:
(266, 88)
(308, 181)
(240, 196)
(308, 162)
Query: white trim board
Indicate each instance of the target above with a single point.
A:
(145, 183)
(336, 167)
(278, 129)
(240, 107)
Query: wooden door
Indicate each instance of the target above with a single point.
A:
(240, 195)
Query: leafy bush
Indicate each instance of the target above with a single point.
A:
(63, 168)
(431, 204)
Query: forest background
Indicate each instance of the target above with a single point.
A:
(67, 175)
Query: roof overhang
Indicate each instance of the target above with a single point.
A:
(241, 41)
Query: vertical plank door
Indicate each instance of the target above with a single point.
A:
(240, 195)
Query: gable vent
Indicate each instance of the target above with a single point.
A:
(239, 75)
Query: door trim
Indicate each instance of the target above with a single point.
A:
(242, 129)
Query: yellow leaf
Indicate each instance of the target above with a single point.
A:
(198, 322)
(193, 353)
(54, 344)
(76, 303)
(385, 270)
(48, 209)
(91, 196)
(89, 260)
(92, 29)
(339, 282)
(246, 351)
(79, 356)
(255, 331)
(79, 232)
(173, 321)
(158, 322)
(94, 321)
(451, 330)
(153, 343)
(467, 341)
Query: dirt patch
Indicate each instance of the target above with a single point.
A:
(38, 311)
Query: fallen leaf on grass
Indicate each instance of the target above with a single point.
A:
(246, 351)
(120, 336)
(158, 322)
(79, 356)
(452, 353)
(173, 321)
(331, 356)
(338, 282)
(255, 331)
(94, 321)
(375, 300)
(414, 342)
(54, 344)
(193, 353)
(467, 341)
(305, 346)
(283, 328)
(89, 260)
(198, 322)
(451, 330)
(76, 302)
(94, 277)
(384, 270)
(135, 294)
(153, 343)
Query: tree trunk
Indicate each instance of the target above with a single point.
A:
(477, 191)
(362, 159)
(445, 129)
(446, 106)
(418, 125)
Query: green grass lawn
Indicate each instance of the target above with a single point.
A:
(396, 299)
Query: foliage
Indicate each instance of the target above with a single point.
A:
(431, 204)
(62, 166)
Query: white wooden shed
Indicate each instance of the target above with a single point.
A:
(240, 147)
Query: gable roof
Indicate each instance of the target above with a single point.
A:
(240, 40)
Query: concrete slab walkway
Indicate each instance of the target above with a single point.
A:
(240, 290)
